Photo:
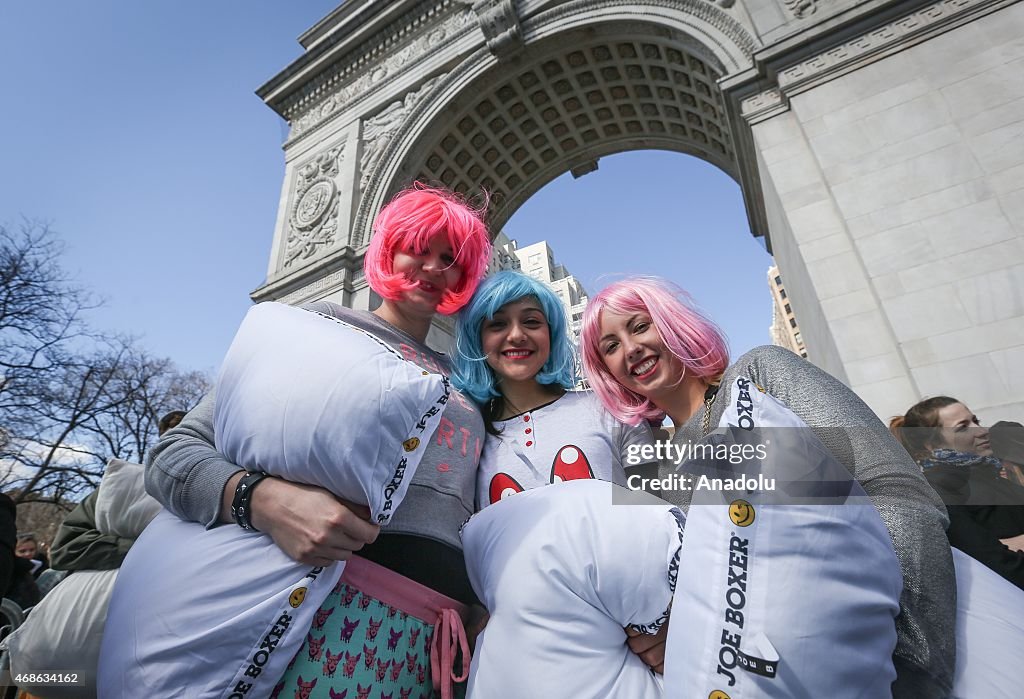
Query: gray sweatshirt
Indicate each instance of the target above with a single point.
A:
(187, 474)
(913, 513)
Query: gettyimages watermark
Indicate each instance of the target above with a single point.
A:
(781, 465)
(677, 454)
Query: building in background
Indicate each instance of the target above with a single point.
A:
(785, 331)
(503, 254)
(538, 261)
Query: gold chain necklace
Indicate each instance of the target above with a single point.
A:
(709, 398)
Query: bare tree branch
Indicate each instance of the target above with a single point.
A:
(70, 399)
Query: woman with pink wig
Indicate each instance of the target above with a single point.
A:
(427, 255)
(648, 353)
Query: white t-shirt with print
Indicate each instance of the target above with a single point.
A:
(570, 438)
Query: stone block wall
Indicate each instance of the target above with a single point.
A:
(903, 188)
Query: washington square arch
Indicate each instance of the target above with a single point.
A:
(879, 146)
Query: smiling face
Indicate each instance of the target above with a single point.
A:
(636, 356)
(516, 341)
(741, 513)
(433, 270)
(297, 597)
(961, 430)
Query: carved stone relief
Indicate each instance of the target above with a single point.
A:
(378, 129)
(500, 25)
(315, 290)
(709, 11)
(832, 62)
(416, 49)
(801, 8)
(313, 222)
(762, 105)
(891, 34)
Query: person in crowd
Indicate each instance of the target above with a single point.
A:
(8, 540)
(28, 548)
(515, 357)
(1008, 446)
(171, 419)
(986, 511)
(427, 255)
(16, 569)
(648, 353)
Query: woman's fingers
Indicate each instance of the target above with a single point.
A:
(649, 647)
(475, 623)
(1015, 543)
(361, 511)
(309, 523)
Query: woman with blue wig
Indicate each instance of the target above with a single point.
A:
(514, 356)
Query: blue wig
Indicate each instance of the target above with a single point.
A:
(471, 374)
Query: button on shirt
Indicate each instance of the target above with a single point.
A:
(571, 438)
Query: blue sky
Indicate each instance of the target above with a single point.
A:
(133, 129)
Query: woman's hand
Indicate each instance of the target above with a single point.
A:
(308, 523)
(476, 620)
(1015, 543)
(649, 647)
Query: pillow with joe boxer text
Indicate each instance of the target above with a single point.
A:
(221, 612)
(789, 585)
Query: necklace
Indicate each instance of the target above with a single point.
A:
(709, 399)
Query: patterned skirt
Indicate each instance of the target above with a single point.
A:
(380, 635)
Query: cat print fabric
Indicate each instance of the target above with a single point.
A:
(360, 648)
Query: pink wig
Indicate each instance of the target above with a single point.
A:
(693, 338)
(409, 222)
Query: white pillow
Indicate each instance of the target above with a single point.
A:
(62, 636)
(313, 399)
(123, 507)
(782, 596)
(989, 632)
(63, 633)
(194, 610)
(221, 612)
(562, 569)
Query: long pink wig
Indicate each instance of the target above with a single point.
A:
(409, 222)
(692, 337)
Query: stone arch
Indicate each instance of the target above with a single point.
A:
(598, 78)
(825, 104)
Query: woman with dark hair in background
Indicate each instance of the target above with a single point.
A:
(986, 511)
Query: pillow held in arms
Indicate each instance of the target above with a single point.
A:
(62, 634)
(989, 632)
(562, 569)
(784, 592)
(221, 612)
(123, 507)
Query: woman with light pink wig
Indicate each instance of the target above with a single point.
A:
(648, 353)
(428, 254)
(693, 345)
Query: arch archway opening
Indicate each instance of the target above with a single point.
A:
(582, 95)
(662, 213)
